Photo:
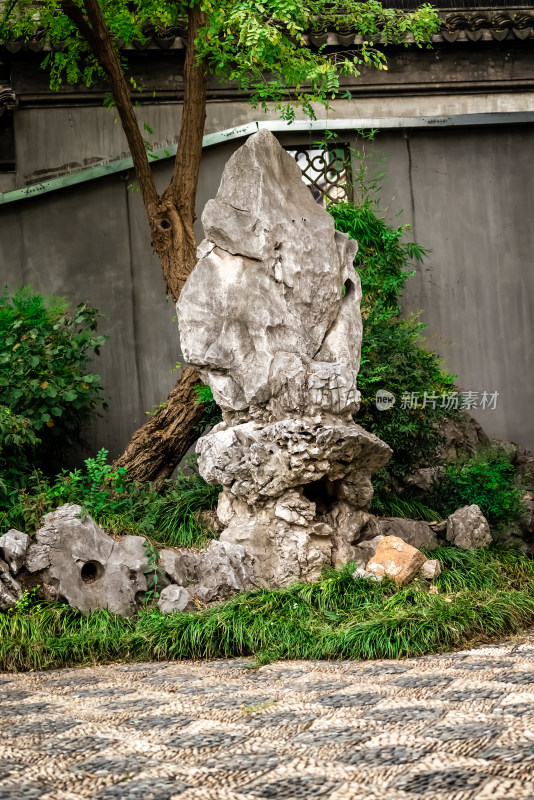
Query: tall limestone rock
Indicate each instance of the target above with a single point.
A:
(271, 318)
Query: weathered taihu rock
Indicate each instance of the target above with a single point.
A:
(468, 528)
(214, 574)
(13, 547)
(72, 559)
(270, 316)
(10, 589)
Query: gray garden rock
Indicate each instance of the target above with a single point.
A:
(13, 547)
(10, 589)
(271, 318)
(412, 531)
(425, 478)
(180, 565)
(430, 569)
(73, 559)
(360, 572)
(225, 569)
(174, 598)
(364, 551)
(526, 525)
(461, 436)
(468, 528)
(215, 574)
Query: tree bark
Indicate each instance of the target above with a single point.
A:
(159, 445)
(173, 236)
(152, 452)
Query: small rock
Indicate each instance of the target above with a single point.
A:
(13, 547)
(220, 571)
(396, 559)
(526, 525)
(430, 569)
(360, 572)
(224, 570)
(433, 589)
(460, 436)
(412, 531)
(468, 528)
(174, 598)
(523, 462)
(425, 478)
(180, 565)
(10, 589)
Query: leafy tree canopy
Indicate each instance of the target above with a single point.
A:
(257, 45)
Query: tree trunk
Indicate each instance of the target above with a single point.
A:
(173, 237)
(159, 445)
(156, 448)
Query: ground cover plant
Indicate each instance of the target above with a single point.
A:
(487, 479)
(482, 594)
(168, 515)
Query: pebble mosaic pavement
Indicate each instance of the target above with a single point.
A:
(451, 727)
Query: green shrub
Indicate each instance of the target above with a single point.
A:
(392, 356)
(47, 393)
(489, 480)
(169, 516)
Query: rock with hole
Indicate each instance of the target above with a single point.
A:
(271, 318)
(72, 559)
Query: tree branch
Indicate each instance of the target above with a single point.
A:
(189, 152)
(96, 33)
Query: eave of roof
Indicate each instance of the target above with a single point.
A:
(461, 24)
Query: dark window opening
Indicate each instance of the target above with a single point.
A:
(7, 140)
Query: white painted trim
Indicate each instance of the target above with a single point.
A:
(277, 126)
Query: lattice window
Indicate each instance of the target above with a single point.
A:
(327, 172)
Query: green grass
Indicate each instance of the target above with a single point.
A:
(393, 505)
(168, 515)
(482, 595)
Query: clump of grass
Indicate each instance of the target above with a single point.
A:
(481, 595)
(167, 514)
(178, 522)
(393, 505)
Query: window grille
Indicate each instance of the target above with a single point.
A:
(327, 172)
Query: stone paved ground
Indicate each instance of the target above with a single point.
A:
(453, 727)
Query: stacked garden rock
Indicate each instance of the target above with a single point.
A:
(271, 317)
